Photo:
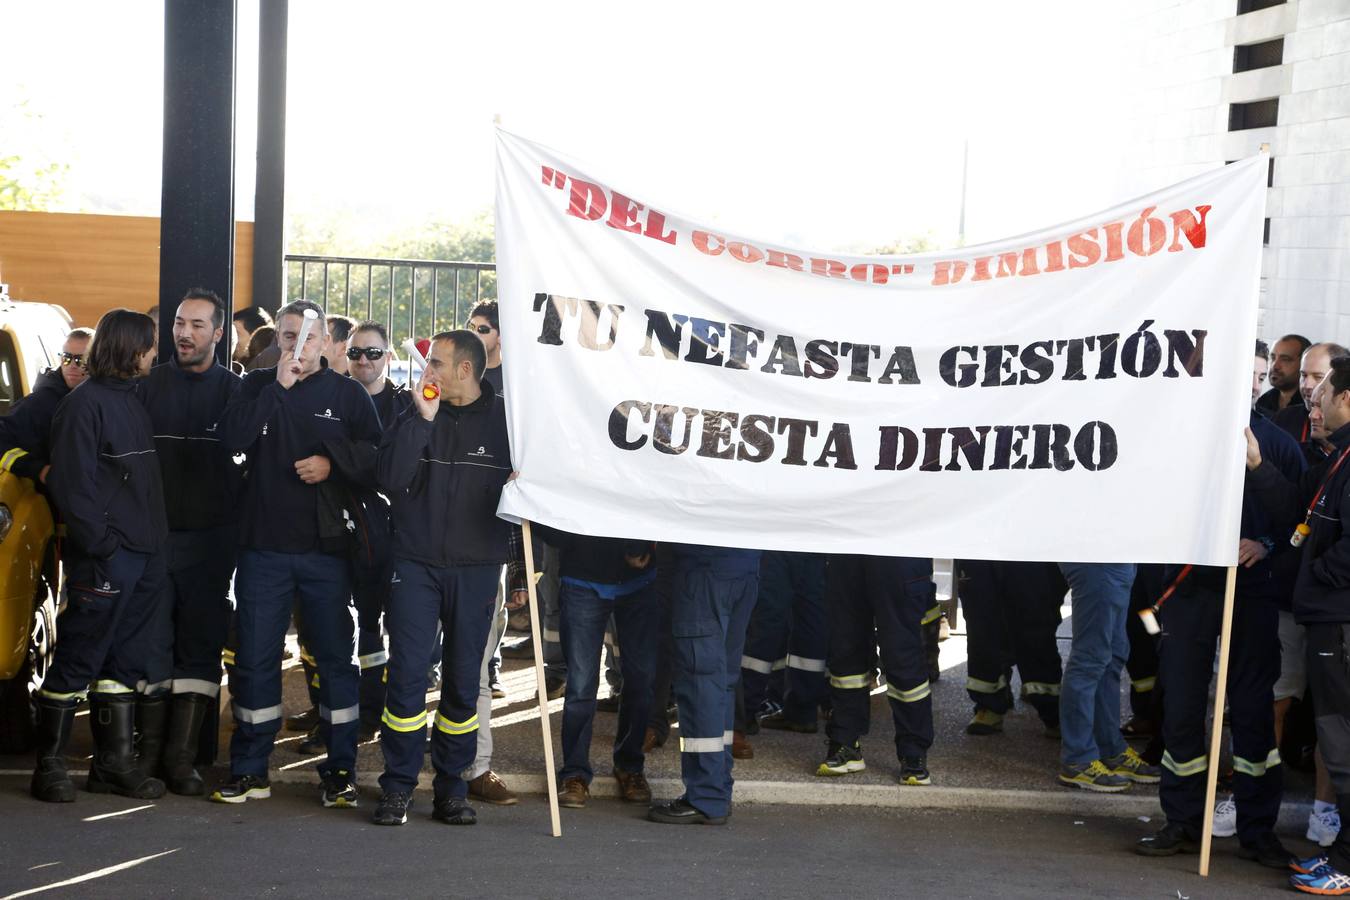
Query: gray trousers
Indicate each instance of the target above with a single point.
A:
(483, 759)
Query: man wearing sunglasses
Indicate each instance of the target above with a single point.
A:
(25, 434)
(367, 355)
(484, 323)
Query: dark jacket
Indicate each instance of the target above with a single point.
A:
(727, 561)
(105, 472)
(1273, 577)
(201, 479)
(1268, 404)
(375, 526)
(599, 560)
(390, 403)
(277, 428)
(26, 433)
(1294, 420)
(1322, 591)
(444, 479)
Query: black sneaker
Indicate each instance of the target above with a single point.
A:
(681, 812)
(241, 789)
(841, 760)
(780, 722)
(914, 771)
(393, 809)
(767, 708)
(454, 812)
(1169, 841)
(339, 790)
(608, 704)
(1268, 851)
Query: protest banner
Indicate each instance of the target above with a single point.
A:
(1077, 393)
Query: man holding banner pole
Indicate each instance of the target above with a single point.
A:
(1317, 509)
(443, 466)
(1191, 620)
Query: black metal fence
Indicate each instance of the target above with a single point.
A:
(412, 297)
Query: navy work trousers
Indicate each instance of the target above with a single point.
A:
(462, 600)
(879, 602)
(110, 634)
(267, 585)
(711, 603)
(789, 633)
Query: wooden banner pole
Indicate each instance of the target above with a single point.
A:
(1216, 736)
(535, 638)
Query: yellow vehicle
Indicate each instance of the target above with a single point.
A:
(31, 335)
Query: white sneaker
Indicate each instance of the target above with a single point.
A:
(1225, 818)
(1324, 826)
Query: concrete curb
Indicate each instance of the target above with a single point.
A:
(1064, 801)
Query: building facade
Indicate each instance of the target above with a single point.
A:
(1219, 78)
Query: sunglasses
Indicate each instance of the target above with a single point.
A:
(483, 329)
(370, 353)
(73, 359)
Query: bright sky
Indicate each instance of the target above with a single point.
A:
(831, 124)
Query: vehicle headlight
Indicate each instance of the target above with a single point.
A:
(6, 521)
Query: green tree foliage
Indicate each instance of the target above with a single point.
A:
(443, 297)
(27, 181)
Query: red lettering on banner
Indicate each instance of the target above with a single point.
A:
(830, 268)
(588, 200)
(786, 260)
(623, 213)
(702, 243)
(656, 223)
(1082, 251)
(1142, 235)
(746, 253)
(948, 271)
(1184, 223)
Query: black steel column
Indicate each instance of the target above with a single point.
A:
(196, 230)
(269, 206)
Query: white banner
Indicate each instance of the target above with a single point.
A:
(1074, 394)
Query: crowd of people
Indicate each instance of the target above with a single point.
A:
(207, 509)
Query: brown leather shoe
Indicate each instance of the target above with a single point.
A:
(491, 789)
(740, 747)
(573, 794)
(633, 787)
(651, 741)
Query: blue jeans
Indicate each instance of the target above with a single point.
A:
(585, 615)
(1089, 700)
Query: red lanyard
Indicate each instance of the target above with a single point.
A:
(1171, 589)
(1326, 481)
(1306, 424)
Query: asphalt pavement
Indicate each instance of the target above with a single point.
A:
(290, 847)
(994, 823)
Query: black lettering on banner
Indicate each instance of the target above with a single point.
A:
(796, 429)
(839, 447)
(618, 424)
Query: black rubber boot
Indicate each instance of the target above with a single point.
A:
(180, 744)
(152, 715)
(50, 781)
(113, 769)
